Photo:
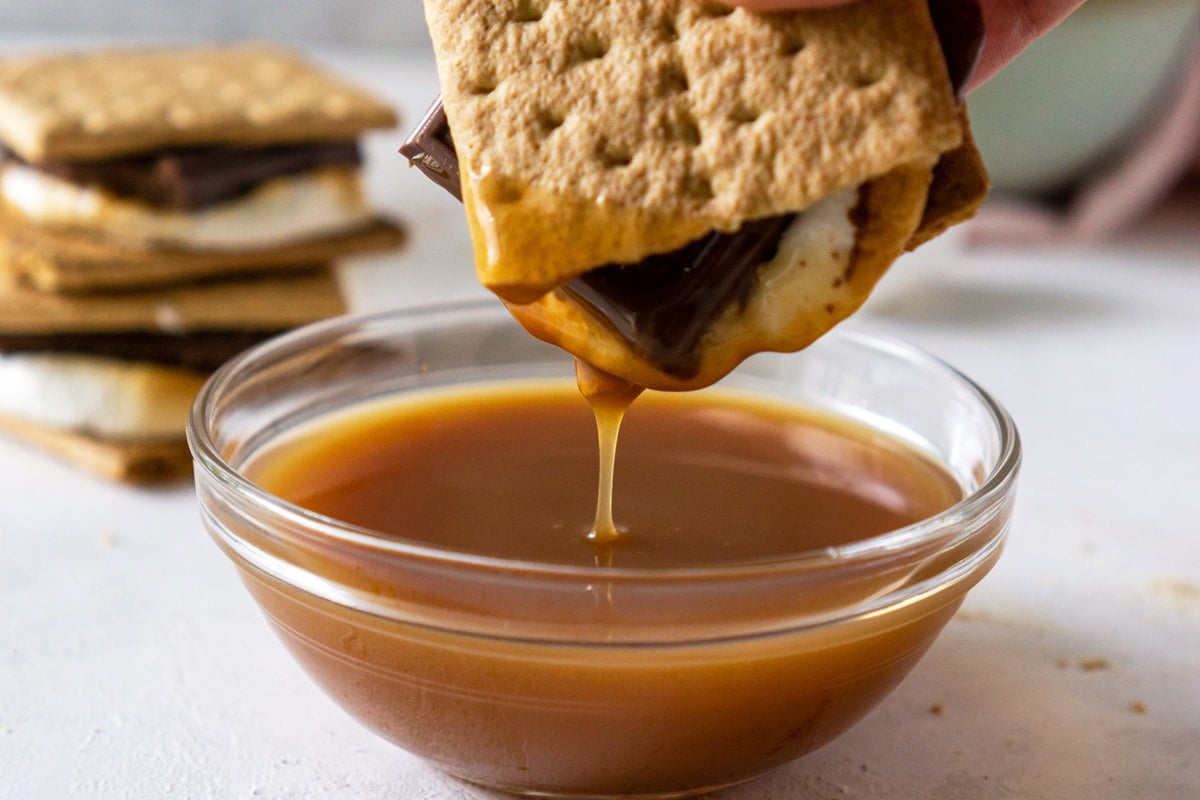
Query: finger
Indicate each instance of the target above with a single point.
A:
(1012, 25)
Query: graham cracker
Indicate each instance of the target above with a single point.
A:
(135, 462)
(592, 131)
(960, 185)
(91, 105)
(69, 261)
(259, 303)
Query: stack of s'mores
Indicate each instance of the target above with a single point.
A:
(161, 210)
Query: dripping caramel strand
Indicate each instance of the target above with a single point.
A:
(609, 397)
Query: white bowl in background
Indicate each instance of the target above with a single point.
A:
(1080, 92)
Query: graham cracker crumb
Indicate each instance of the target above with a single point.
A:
(1176, 591)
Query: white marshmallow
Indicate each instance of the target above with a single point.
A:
(281, 211)
(104, 397)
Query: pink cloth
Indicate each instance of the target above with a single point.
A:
(1119, 195)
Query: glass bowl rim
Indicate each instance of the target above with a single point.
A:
(206, 454)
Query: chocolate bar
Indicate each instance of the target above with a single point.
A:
(430, 148)
(203, 351)
(195, 178)
(959, 26)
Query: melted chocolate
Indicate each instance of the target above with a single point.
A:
(202, 351)
(197, 178)
(664, 305)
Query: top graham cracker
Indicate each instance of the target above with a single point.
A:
(112, 102)
(598, 125)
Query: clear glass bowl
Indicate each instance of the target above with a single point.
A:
(510, 674)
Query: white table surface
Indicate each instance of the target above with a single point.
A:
(134, 665)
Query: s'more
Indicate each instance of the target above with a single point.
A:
(161, 210)
(665, 187)
(127, 167)
(107, 380)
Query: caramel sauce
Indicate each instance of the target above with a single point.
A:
(643, 694)
(704, 477)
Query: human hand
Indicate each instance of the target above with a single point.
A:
(1009, 25)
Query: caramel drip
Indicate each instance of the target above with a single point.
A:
(609, 397)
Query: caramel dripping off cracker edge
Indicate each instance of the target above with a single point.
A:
(928, 145)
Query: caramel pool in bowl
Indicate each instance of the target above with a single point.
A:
(402, 496)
